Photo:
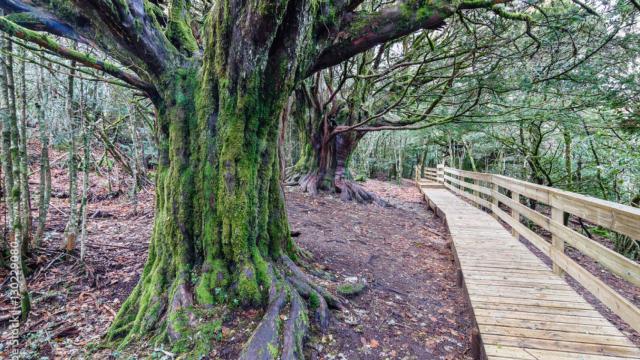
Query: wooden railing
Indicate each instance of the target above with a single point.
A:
(490, 191)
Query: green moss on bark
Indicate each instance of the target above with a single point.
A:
(178, 28)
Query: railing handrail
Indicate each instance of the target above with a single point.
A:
(620, 210)
(484, 190)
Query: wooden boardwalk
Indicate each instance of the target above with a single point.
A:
(521, 308)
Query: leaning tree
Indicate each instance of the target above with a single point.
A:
(218, 74)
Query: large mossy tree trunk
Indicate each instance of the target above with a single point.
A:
(221, 234)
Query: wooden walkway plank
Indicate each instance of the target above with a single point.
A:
(522, 309)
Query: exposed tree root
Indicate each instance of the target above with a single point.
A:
(298, 274)
(292, 177)
(266, 337)
(285, 324)
(352, 191)
(310, 183)
(348, 190)
(293, 300)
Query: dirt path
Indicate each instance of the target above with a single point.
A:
(411, 308)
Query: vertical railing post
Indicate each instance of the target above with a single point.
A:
(473, 191)
(418, 175)
(515, 214)
(494, 198)
(557, 243)
(440, 173)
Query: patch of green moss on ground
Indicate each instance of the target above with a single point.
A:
(350, 290)
(314, 301)
(273, 350)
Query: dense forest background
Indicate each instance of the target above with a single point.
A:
(547, 91)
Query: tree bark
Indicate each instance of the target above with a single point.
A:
(87, 129)
(6, 139)
(324, 166)
(221, 234)
(44, 193)
(568, 157)
(71, 229)
(25, 193)
(16, 230)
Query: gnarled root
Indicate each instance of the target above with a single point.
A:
(310, 183)
(284, 326)
(352, 191)
(348, 190)
(292, 176)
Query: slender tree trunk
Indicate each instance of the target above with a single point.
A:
(87, 127)
(470, 154)
(134, 160)
(25, 193)
(44, 193)
(71, 230)
(16, 236)
(579, 172)
(423, 159)
(568, 157)
(596, 158)
(5, 154)
(6, 137)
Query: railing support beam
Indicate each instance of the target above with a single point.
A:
(556, 241)
(440, 173)
(515, 213)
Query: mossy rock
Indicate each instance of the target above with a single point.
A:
(351, 289)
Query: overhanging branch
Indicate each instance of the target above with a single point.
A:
(46, 42)
(360, 31)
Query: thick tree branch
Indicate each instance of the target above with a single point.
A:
(360, 31)
(363, 31)
(587, 8)
(30, 18)
(46, 42)
(133, 29)
(123, 29)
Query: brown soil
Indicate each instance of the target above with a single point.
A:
(410, 309)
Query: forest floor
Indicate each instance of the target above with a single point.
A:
(410, 308)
